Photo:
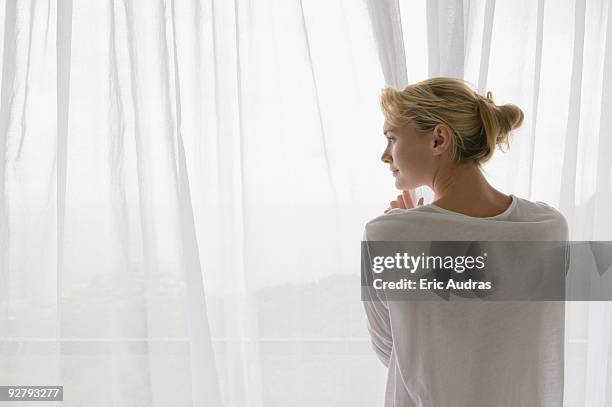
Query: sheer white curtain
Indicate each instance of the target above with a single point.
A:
(554, 60)
(181, 205)
(184, 184)
(101, 284)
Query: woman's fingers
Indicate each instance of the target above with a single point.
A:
(401, 202)
(405, 201)
(392, 205)
(409, 198)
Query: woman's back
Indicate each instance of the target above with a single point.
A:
(470, 353)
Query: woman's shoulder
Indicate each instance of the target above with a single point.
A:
(535, 210)
(525, 218)
(540, 212)
(402, 224)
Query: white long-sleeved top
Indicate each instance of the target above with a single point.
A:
(469, 354)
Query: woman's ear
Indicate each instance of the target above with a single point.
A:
(442, 138)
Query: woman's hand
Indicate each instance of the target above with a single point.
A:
(404, 201)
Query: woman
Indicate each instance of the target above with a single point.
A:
(439, 133)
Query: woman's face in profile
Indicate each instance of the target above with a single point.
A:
(409, 156)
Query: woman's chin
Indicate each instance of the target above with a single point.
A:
(402, 185)
(400, 181)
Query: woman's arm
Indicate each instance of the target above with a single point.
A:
(379, 327)
(377, 312)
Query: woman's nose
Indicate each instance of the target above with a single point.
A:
(386, 157)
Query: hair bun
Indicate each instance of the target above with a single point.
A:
(510, 117)
(498, 121)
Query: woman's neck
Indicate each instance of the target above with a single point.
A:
(464, 189)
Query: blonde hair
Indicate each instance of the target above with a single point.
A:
(478, 124)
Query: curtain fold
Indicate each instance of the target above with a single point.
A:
(387, 30)
(570, 159)
(602, 216)
(8, 73)
(445, 37)
(537, 70)
(205, 386)
(63, 41)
